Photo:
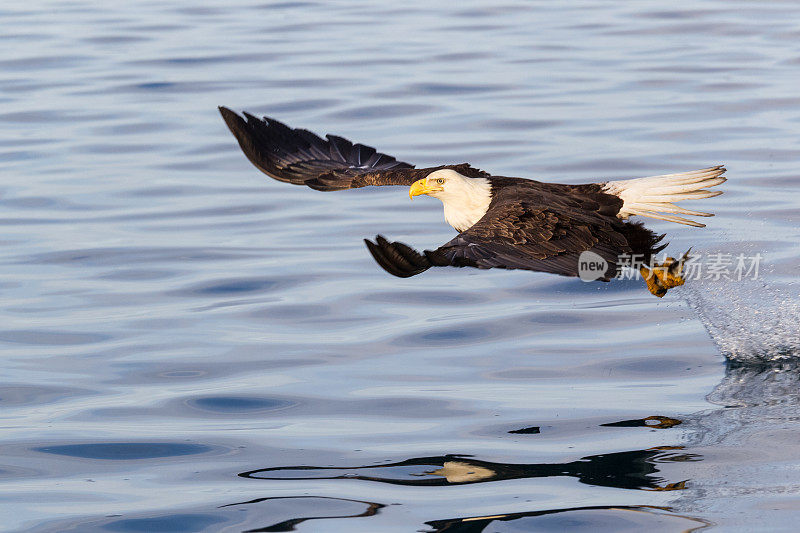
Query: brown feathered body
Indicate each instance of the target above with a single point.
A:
(528, 225)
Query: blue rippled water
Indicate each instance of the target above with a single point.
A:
(190, 346)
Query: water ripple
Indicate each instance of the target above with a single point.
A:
(162, 294)
(125, 451)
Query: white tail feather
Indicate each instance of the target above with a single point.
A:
(652, 197)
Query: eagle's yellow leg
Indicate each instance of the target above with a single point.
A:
(664, 276)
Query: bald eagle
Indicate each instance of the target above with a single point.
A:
(502, 222)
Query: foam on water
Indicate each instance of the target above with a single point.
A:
(751, 321)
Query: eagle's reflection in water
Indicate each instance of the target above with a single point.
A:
(627, 470)
(637, 470)
(752, 398)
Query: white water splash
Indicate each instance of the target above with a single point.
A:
(749, 320)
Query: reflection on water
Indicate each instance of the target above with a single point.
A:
(750, 440)
(625, 470)
(532, 430)
(658, 422)
(748, 389)
(616, 518)
(312, 502)
(753, 399)
(172, 318)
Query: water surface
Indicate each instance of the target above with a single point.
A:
(190, 346)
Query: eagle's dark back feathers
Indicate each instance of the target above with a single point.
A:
(532, 226)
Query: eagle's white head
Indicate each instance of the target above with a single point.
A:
(465, 199)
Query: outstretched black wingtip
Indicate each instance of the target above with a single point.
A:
(397, 258)
(252, 137)
(235, 122)
(301, 157)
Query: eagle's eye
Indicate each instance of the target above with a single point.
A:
(440, 181)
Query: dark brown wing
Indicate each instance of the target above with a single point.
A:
(301, 157)
(535, 230)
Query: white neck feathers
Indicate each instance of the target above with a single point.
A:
(466, 203)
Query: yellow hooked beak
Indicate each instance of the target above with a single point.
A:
(421, 187)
